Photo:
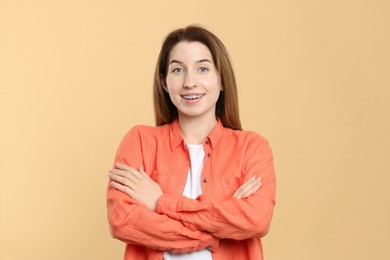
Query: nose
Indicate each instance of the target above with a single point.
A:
(190, 80)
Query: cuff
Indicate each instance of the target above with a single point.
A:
(213, 244)
(167, 203)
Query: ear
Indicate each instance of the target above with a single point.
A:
(165, 86)
(163, 83)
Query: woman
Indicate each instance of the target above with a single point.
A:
(195, 186)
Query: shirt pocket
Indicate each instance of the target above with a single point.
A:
(166, 182)
(230, 184)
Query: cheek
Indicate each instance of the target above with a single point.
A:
(173, 82)
(212, 84)
(214, 81)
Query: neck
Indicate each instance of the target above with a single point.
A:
(195, 130)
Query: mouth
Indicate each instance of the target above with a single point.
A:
(192, 97)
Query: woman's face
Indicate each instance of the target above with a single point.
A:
(192, 81)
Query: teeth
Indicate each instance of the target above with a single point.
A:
(189, 97)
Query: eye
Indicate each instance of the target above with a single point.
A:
(203, 69)
(177, 70)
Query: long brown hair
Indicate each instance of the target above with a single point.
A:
(227, 104)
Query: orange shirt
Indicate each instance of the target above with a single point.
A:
(231, 228)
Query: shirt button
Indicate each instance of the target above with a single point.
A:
(208, 154)
(204, 180)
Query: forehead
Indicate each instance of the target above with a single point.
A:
(190, 51)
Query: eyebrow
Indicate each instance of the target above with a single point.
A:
(199, 61)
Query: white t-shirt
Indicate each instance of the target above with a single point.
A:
(192, 190)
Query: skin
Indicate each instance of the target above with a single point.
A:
(191, 71)
(137, 184)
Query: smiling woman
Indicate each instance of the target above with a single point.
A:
(195, 186)
(193, 82)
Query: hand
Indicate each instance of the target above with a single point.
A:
(248, 187)
(137, 184)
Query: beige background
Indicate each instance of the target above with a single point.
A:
(314, 78)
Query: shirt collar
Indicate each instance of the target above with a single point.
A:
(176, 137)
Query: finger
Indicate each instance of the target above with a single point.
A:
(127, 168)
(122, 188)
(144, 174)
(124, 176)
(248, 188)
(121, 179)
(245, 185)
(251, 190)
(123, 166)
(242, 187)
(120, 173)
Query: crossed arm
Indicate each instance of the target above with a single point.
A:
(138, 185)
(139, 213)
(134, 191)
